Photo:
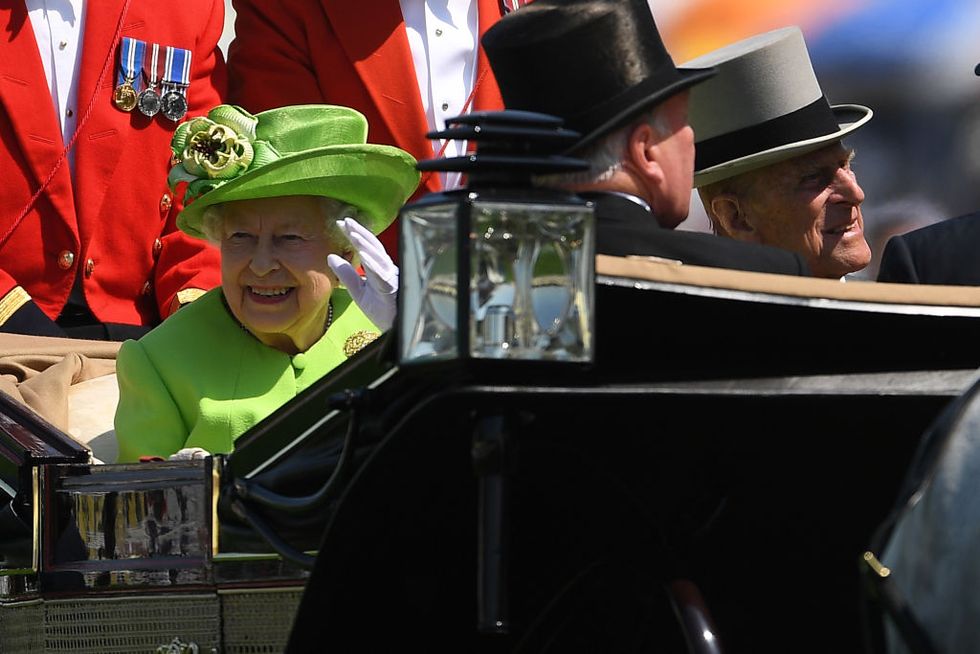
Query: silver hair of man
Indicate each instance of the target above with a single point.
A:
(605, 156)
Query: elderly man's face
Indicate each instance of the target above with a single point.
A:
(274, 271)
(811, 205)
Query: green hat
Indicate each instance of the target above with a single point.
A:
(299, 150)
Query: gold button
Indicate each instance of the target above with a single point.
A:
(147, 287)
(165, 203)
(89, 267)
(66, 259)
(157, 247)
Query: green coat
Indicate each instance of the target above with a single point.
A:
(201, 380)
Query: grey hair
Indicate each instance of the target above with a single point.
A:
(605, 156)
(213, 219)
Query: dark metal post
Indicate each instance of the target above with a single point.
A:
(489, 455)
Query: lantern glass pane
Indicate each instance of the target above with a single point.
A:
(428, 276)
(531, 281)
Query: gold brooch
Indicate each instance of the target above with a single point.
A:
(358, 341)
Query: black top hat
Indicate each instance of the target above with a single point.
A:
(594, 63)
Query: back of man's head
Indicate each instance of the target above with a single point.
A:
(602, 67)
(607, 154)
(651, 158)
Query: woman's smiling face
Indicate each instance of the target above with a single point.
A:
(274, 271)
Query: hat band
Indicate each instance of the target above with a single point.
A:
(812, 121)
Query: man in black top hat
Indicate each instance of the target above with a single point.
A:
(603, 68)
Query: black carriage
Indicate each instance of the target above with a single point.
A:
(724, 461)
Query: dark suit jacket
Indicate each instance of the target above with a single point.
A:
(944, 253)
(624, 228)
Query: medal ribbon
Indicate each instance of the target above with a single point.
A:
(153, 71)
(177, 69)
(131, 62)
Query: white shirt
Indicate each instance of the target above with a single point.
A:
(443, 37)
(58, 29)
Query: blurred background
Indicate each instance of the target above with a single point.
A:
(911, 61)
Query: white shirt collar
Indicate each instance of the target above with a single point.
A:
(632, 198)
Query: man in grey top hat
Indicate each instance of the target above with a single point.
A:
(603, 68)
(770, 164)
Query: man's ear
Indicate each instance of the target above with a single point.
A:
(645, 157)
(727, 212)
(643, 152)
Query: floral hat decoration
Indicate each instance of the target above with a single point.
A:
(299, 150)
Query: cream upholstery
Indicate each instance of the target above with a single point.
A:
(91, 407)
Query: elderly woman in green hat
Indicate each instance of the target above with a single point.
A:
(293, 197)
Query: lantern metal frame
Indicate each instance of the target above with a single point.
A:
(512, 148)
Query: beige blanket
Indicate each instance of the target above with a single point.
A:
(53, 375)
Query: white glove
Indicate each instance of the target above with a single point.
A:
(189, 453)
(376, 295)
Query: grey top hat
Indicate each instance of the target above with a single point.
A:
(763, 106)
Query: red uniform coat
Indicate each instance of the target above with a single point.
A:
(115, 224)
(348, 53)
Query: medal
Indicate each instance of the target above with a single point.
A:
(130, 63)
(173, 105)
(176, 77)
(124, 96)
(149, 100)
(149, 103)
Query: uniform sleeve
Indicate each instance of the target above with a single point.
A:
(185, 264)
(268, 62)
(896, 263)
(148, 421)
(19, 314)
(188, 263)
